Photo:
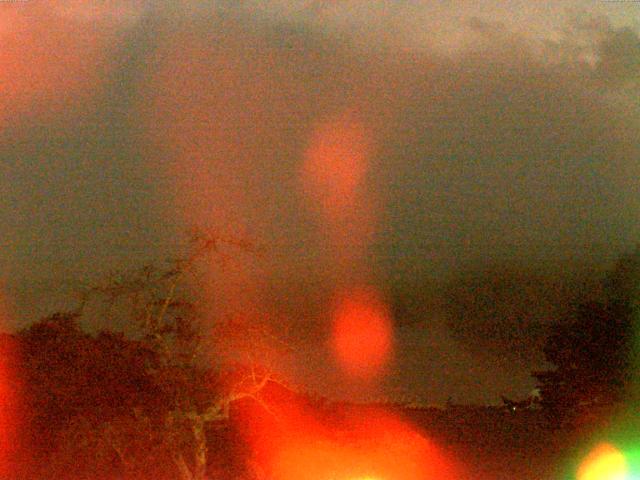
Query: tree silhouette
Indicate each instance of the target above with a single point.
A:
(592, 349)
(146, 400)
(73, 383)
(166, 320)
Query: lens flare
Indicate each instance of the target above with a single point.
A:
(334, 180)
(361, 333)
(9, 400)
(605, 462)
(335, 166)
(360, 444)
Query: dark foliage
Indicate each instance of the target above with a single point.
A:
(592, 350)
(75, 382)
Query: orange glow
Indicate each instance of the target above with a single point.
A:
(361, 333)
(48, 63)
(336, 164)
(334, 180)
(334, 177)
(367, 444)
(605, 462)
(218, 147)
(296, 442)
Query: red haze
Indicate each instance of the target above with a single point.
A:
(240, 140)
(361, 333)
(10, 413)
(207, 123)
(360, 443)
(334, 180)
(49, 62)
(336, 164)
(334, 177)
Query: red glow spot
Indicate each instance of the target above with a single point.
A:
(605, 462)
(362, 333)
(363, 444)
(335, 166)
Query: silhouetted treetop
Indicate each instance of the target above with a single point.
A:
(592, 348)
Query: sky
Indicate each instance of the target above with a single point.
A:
(473, 164)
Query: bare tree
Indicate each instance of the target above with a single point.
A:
(165, 314)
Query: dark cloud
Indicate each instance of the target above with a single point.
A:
(504, 154)
(505, 310)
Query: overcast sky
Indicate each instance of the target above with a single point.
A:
(499, 144)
